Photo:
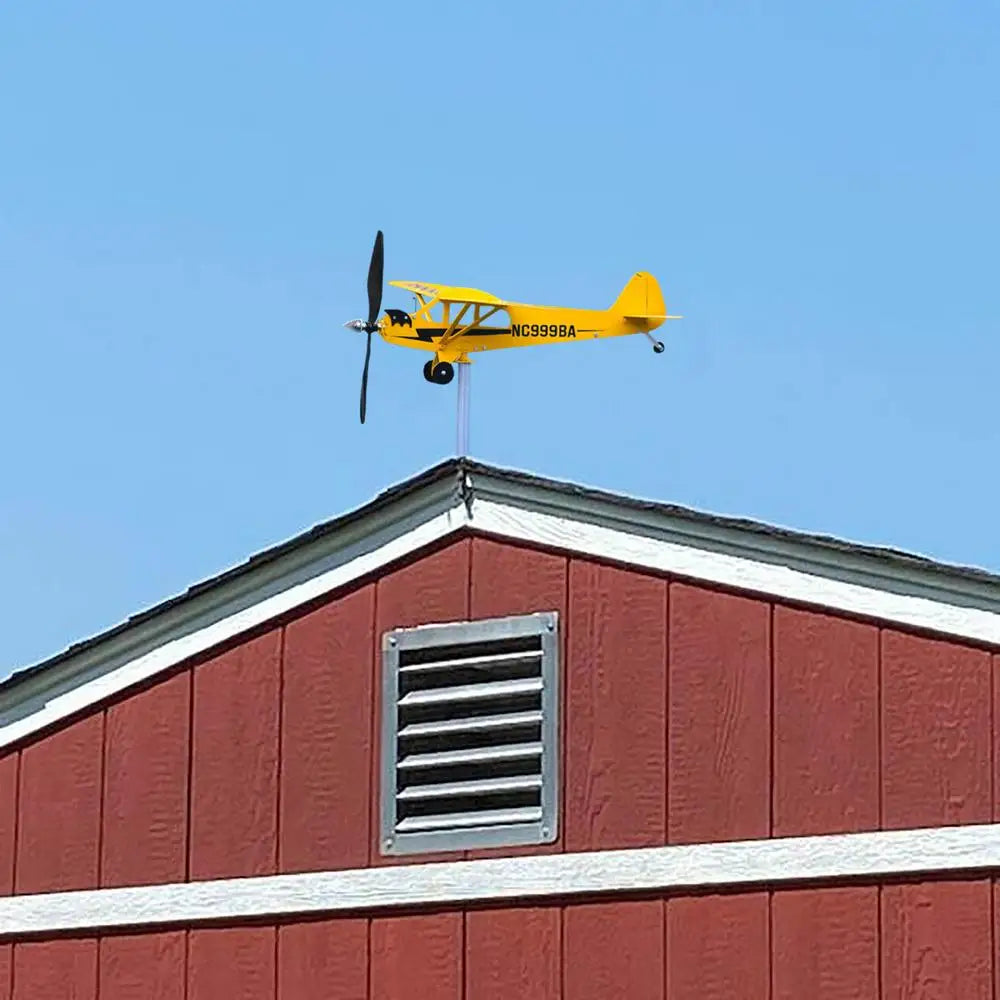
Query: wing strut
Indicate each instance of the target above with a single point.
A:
(455, 330)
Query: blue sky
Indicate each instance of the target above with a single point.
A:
(188, 196)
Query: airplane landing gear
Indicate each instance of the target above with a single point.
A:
(658, 347)
(440, 374)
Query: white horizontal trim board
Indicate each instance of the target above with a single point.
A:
(941, 850)
(97, 679)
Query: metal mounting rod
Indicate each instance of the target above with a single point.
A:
(463, 409)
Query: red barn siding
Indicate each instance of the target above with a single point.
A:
(323, 960)
(613, 950)
(825, 943)
(8, 821)
(720, 717)
(937, 941)
(142, 967)
(236, 963)
(936, 732)
(146, 751)
(6, 971)
(234, 768)
(59, 809)
(56, 970)
(514, 580)
(514, 953)
(668, 730)
(616, 706)
(718, 947)
(417, 956)
(326, 736)
(826, 724)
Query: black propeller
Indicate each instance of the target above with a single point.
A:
(374, 307)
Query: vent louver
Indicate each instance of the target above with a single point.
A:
(469, 734)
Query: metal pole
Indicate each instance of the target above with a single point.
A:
(463, 409)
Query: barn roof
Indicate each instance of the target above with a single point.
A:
(465, 495)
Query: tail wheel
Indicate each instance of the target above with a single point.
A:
(442, 373)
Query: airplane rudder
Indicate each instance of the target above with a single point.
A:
(655, 306)
(641, 296)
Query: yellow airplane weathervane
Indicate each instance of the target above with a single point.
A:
(452, 323)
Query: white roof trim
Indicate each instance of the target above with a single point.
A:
(101, 682)
(742, 573)
(804, 570)
(779, 862)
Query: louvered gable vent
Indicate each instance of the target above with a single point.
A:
(469, 741)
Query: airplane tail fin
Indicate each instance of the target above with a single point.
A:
(641, 298)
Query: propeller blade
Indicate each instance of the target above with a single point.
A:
(364, 377)
(375, 280)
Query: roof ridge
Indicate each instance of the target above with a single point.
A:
(463, 482)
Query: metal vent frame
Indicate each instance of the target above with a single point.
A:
(543, 830)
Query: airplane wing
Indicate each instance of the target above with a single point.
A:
(450, 293)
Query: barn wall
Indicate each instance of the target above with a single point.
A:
(690, 715)
(862, 942)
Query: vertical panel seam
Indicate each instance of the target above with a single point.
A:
(770, 943)
(771, 725)
(879, 935)
(279, 757)
(101, 794)
(993, 935)
(279, 762)
(562, 946)
(188, 806)
(667, 726)
(992, 662)
(663, 936)
(462, 964)
(187, 963)
(276, 954)
(17, 834)
(98, 943)
(880, 748)
(368, 954)
(666, 733)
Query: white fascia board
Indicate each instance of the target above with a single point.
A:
(840, 589)
(157, 646)
(957, 851)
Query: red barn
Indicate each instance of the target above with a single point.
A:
(493, 736)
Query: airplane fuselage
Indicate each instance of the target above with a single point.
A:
(513, 326)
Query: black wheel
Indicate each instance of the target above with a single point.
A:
(429, 370)
(658, 347)
(443, 373)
